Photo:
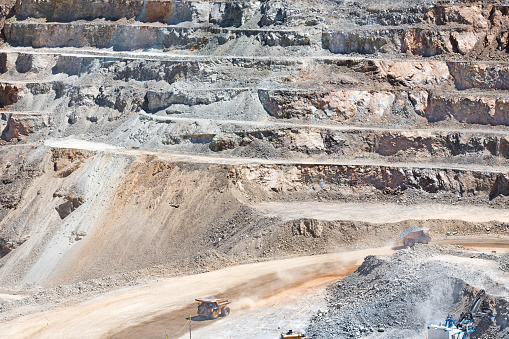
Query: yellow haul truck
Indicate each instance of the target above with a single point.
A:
(211, 307)
(415, 235)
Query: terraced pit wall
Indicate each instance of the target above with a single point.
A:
(143, 135)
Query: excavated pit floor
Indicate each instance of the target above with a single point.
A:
(269, 298)
(127, 307)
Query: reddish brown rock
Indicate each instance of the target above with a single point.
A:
(17, 128)
(9, 94)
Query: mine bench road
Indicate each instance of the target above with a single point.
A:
(159, 55)
(71, 143)
(120, 309)
(275, 123)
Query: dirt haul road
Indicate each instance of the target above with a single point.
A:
(112, 312)
(160, 306)
(258, 311)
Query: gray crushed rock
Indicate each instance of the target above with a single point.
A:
(504, 262)
(397, 296)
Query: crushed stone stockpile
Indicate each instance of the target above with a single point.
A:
(397, 296)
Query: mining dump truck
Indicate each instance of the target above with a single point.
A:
(211, 307)
(415, 235)
(292, 335)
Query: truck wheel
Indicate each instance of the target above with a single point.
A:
(214, 314)
(424, 241)
(410, 243)
(225, 311)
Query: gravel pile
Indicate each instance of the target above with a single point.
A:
(397, 296)
(504, 262)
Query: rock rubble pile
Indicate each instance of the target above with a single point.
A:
(397, 296)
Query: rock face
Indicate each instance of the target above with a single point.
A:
(7, 245)
(168, 12)
(343, 105)
(364, 180)
(68, 206)
(471, 109)
(9, 94)
(126, 37)
(6, 10)
(422, 42)
(223, 142)
(76, 10)
(16, 129)
(493, 77)
(17, 173)
(468, 29)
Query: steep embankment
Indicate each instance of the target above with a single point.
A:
(104, 212)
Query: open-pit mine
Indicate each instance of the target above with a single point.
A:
(270, 152)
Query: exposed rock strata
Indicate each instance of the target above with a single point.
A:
(68, 206)
(137, 36)
(167, 11)
(416, 41)
(361, 180)
(17, 128)
(17, 171)
(9, 94)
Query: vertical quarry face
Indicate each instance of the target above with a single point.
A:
(148, 136)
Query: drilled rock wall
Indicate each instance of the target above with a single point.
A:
(168, 12)
(424, 42)
(362, 181)
(138, 36)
